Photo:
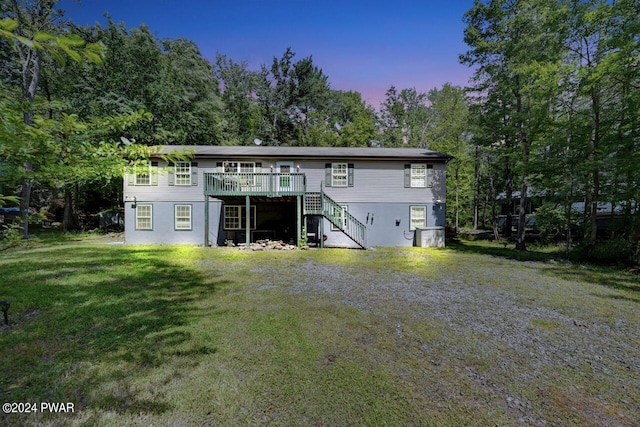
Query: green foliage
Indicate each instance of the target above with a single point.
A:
(550, 221)
(616, 251)
(10, 236)
(8, 199)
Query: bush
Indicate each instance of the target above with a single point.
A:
(618, 251)
(550, 221)
(10, 236)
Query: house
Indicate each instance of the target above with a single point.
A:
(339, 197)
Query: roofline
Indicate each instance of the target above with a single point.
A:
(215, 151)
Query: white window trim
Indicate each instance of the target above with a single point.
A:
(138, 217)
(136, 176)
(180, 226)
(416, 178)
(335, 175)
(226, 166)
(345, 208)
(241, 214)
(182, 174)
(412, 217)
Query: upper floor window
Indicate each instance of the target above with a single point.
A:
(183, 173)
(418, 175)
(339, 175)
(145, 174)
(237, 167)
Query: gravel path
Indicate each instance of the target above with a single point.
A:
(534, 326)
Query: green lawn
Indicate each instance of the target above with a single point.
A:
(178, 335)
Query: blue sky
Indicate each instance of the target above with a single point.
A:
(365, 46)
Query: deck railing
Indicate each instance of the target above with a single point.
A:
(254, 184)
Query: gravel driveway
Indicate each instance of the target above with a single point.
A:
(526, 325)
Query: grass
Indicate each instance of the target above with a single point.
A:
(178, 335)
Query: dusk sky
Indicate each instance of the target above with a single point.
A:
(365, 46)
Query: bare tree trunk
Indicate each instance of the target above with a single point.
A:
(457, 175)
(522, 218)
(25, 198)
(476, 196)
(508, 200)
(595, 172)
(494, 217)
(69, 218)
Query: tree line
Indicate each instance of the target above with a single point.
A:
(552, 110)
(556, 111)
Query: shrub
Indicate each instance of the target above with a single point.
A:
(550, 221)
(10, 236)
(611, 252)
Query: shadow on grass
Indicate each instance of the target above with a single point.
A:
(609, 277)
(501, 251)
(603, 276)
(106, 317)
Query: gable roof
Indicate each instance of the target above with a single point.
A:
(254, 151)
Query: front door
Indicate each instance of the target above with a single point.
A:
(284, 181)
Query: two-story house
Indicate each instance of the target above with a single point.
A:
(339, 197)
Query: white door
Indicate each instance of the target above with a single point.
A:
(284, 181)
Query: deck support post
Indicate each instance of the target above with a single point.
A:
(321, 236)
(298, 219)
(247, 217)
(206, 221)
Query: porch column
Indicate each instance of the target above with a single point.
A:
(298, 220)
(206, 221)
(321, 225)
(248, 219)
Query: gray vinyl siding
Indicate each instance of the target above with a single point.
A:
(381, 181)
(384, 231)
(378, 191)
(164, 226)
(374, 181)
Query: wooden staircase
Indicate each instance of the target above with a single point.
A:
(321, 204)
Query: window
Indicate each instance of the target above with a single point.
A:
(418, 175)
(183, 173)
(340, 213)
(239, 167)
(183, 217)
(235, 217)
(248, 171)
(145, 174)
(143, 177)
(144, 217)
(339, 175)
(418, 217)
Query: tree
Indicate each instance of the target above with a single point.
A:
(517, 54)
(168, 78)
(243, 116)
(30, 26)
(392, 119)
(448, 132)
